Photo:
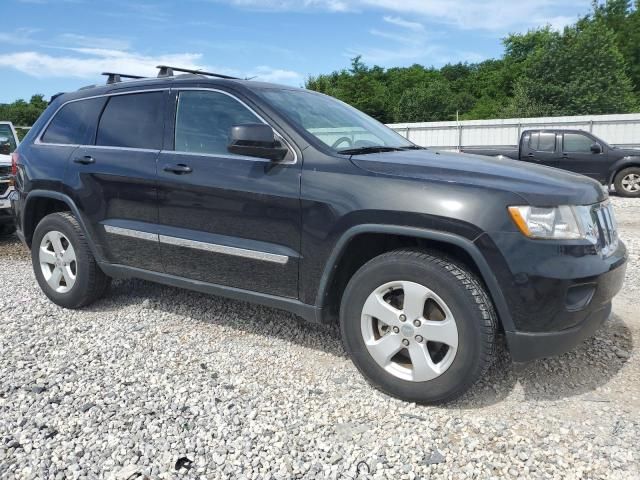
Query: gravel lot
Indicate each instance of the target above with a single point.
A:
(159, 382)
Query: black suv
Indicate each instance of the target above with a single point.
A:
(293, 199)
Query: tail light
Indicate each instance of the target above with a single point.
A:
(14, 163)
(14, 167)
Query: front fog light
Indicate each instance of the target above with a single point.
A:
(547, 222)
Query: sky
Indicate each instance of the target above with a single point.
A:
(49, 46)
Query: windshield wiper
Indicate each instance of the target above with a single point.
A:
(413, 147)
(369, 149)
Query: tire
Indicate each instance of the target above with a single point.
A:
(627, 182)
(455, 295)
(6, 230)
(81, 282)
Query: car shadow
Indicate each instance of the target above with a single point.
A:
(583, 370)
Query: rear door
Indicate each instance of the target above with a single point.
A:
(578, 157)
(114, 181)
(540, 147)
(227, 219)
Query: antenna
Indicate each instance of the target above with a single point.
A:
(167, 71)
(117, 77)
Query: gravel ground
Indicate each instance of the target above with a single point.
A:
(159, 382)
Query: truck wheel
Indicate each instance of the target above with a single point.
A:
(627, 182)
(419, 327)
(63, 263)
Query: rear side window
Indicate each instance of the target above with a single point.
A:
(574, 142)
(204, 121)
(132, 121)
(543, 141)
(75, 123)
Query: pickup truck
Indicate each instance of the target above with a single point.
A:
(577, 151)
(8, 143)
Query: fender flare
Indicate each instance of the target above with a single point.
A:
(35, 194)
(467, 245)
(621, 164)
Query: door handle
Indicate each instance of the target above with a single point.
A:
(86, 160)
(179, 169)
(530, 155)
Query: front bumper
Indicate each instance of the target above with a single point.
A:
(6, 212)
(556, 294)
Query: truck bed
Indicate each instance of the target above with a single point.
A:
(489, 151)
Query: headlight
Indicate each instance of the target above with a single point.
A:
(560, 223)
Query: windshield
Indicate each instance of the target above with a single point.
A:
(6, 135)
(334, 123)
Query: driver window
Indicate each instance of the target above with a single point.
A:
(204, 120)
(577, 143)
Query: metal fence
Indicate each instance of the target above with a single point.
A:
(621, 130)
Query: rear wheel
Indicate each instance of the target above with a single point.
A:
(418, 326)
(63, 263)
(627, 182)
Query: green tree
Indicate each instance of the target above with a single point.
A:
(425, 103)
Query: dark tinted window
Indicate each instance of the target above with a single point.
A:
(75, 123)
(204, 121)
(7, 133)
(543, 141)
(574, 142)
(132, 121)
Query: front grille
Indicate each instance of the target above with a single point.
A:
(607, 228)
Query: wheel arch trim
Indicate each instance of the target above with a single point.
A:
(626, 162)
(444, 237)
(37, 194)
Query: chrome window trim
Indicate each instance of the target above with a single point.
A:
(205, 89)
(127, 232)
(38, 140)
(224, 249)
(107, 147)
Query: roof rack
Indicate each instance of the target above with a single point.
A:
(167, 71)
(117, 77)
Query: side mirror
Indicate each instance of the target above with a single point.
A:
(256, 140)
(596, 148)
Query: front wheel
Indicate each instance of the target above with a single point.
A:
(419, 327)
(63, 263)
(627, 182)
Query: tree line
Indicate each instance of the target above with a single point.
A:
(590, 67)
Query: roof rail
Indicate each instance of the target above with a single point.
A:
(117, 77)
(167, 71)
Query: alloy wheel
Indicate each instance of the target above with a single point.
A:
(631, 182)
(409, 331)
(58, 261)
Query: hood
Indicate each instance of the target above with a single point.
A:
(538, 185)
(628, 152)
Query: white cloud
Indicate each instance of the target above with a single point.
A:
(275, 75)
(401, 22)
(497, 15)
(90, 62)
(19, 36)
(72, 39)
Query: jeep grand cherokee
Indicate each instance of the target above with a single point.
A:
(293, 199)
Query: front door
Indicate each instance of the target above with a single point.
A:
(578, 157)
(226, 219)
(114, 181)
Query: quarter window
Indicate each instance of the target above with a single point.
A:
(574, 142)
(204, 121)
(132, 121)
(75, 123)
